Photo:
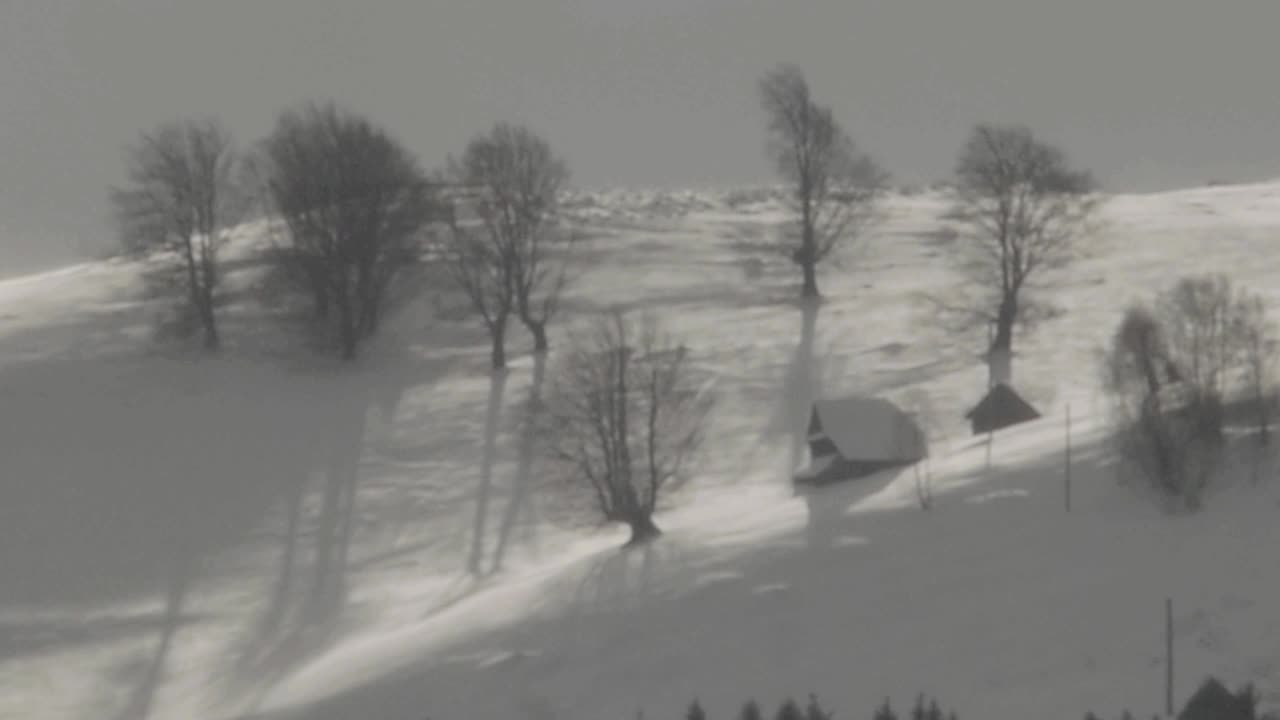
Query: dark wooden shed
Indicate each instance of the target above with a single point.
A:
(1001, 407)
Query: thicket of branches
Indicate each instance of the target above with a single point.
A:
(1020, 208)
(511, 260)
(354, 203)
(834, 186)
(352, 208)
(179, 202)
(623, 416)
(1174, 369)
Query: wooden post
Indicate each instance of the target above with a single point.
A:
(1067, 460)
(991, 436)
(991, 338)
(1168, 635)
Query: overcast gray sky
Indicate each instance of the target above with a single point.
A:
(1149, 94)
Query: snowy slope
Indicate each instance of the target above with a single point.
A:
(263, 533)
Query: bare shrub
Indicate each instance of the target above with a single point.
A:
(1200, 321)
(623, 416)
(1259, 346)
(922, 410)
(1171, 372)
(1154, 428)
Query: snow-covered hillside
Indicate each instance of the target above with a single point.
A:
(267, 534)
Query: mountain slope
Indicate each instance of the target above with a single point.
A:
(264, 533)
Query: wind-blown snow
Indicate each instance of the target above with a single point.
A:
(263, 533)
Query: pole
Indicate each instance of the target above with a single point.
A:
(1168, 635)
(1067, 460)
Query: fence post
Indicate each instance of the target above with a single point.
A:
(1168, 648)
(1067, 461)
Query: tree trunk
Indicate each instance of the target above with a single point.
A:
(1264, 417)
(539, 330)
(211, 339)
(810, 288)
(643, 529)
(371, 295)
(1154, 422)
(200, 296)
(498, 335)
(1005, 318)
(808, 255)
(348, 329)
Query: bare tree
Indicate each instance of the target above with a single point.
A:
(623, 416)
(1205, 334)
(517, 179)
(180, 200)
(1136, 371)
(834, 187)
(1021, 208)
(1257, 336)
(1171, 371)
(478, 268)
(355, 203)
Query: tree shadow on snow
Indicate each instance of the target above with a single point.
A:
(622, 578)
(623, 599)
(110, 464)
(51, 635)
(520, 500)
(827, 506)
(610, 594)
(123, 474)
(138, 704)
(307, 597)
(805, 376)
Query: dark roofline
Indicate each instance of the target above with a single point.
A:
(991, 392)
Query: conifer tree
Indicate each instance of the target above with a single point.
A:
(918, 711)
(885, 712)
(814, 711)
(789, 711)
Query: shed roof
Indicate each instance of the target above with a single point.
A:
(870, 428)
(1004, 402)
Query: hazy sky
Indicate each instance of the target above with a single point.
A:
(1147, 93)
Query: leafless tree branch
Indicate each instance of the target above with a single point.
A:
(624, 416)
(835, 187)
(180, 201)
(1021, 209)
(515, 180)
(355, 204)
